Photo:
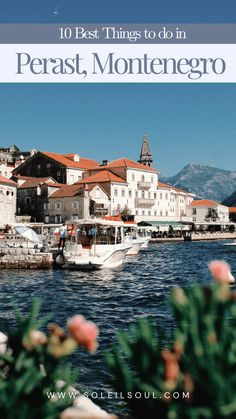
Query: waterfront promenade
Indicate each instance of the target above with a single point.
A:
(197, 237)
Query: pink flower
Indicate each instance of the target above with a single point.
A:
(221, 271)
(84, 332)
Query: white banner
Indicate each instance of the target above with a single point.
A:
(142, 63)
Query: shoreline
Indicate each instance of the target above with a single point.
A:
(196, 237)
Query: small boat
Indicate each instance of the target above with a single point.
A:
(98, 244)
(144, 238)
(132, 238)
(231, 246)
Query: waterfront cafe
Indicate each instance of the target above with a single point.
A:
(166, 228)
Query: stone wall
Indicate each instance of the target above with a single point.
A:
(18, 258)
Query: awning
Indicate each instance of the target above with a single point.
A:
(175, 224)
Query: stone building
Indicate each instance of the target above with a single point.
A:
(64, 168)
(73, 202)
(32, 195)
(7, 201)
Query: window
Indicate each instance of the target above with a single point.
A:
(152, 179)
(166, 213)
(143, 178)
(38, 166)
(130, 194)
(8, 192)
(116, 192)
(136, 194)
(143, 212)
(58, 173)
(58, 205)
(161, 213)
(27, 200)
(12, 193)
(149, 195)
(6, 174)
(194, 211)
(123, 193)
(155, 213)
(149, 212)
(133, 178)
(75, 217)
(75, 205)
(155, 195)
(46, 205)
(136, 212)
(161, 195)
(46, 219)
(57, 218)
(48, 165)
(143, 194)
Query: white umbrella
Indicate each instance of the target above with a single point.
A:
(28, 233)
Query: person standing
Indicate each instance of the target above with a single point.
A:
(63, 236)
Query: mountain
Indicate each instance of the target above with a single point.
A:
(231, 200)
(204, 181)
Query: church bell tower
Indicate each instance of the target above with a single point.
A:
(145, 154)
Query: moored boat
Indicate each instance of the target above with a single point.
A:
(98, 244)
(132, 238)
(231, 246)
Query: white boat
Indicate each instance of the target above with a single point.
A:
(132, 238)
(231, 246)
(98, 244)
(144, 237)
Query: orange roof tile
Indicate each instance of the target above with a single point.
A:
(204, 203)
(124, 162)
(66, 160)
(8, 181)
(33, 182)
(66, 191)
(166, 186)
(102, 176)
(232, 210)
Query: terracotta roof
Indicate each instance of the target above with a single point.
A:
(205, 203)
(166, 186)
(33, 182)
(66, 160)
(66, 191)
(124, 162)
(163, 185)
(102, 176)
(8, 181)
(232, 210)
(55, 185)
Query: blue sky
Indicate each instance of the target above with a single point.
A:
(185, 122)
(138, 11)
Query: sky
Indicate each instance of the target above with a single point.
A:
(137, 11)
(185, 123)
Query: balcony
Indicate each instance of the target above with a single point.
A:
(144, 203)
(144, 185)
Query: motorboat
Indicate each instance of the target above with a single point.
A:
(231, 246)
(144, 237)
(97, 244)
(132, 238)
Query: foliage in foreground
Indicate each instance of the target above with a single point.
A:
(195, 377)
(32, 366)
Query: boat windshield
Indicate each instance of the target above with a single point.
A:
(88, 234)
